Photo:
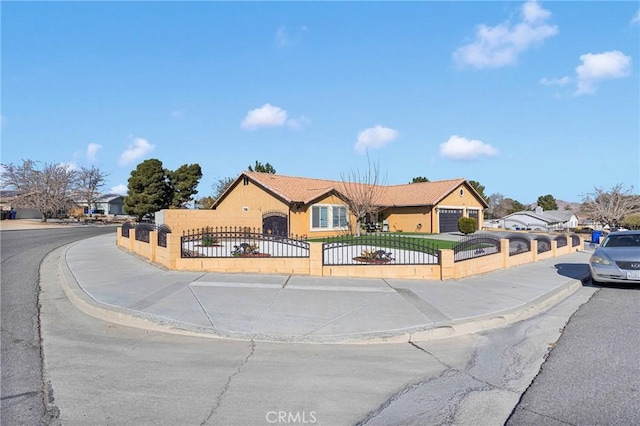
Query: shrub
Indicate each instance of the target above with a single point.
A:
(208, 240)
(467, 225)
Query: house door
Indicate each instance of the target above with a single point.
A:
(449, 219)
(275, 223)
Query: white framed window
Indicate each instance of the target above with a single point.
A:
(328, 216)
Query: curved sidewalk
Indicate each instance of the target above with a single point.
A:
(109, 283)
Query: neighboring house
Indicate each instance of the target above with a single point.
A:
(107, 204)
(540, 220)
(316, 207)
(7, 198)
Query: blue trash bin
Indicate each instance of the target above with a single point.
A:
(595, 236)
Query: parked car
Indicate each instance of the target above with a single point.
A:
(617, 259)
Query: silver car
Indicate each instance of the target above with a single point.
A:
(617, 259)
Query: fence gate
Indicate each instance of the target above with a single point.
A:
(275, 223)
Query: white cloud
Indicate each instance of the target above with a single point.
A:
(92, 152)
(271, 116)
(265, 116)
(460, 148)
(375, 137)
(119, 189)
(555, 81)
(597, 67)
(137, 149)
(297, 123)
(283, 38)
(636, 18)
(501, 45)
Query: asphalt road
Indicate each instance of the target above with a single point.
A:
(592, 376)
(22, 251)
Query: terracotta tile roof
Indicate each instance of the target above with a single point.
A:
(305, 190)
(420, 193)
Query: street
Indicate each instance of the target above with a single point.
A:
(593, 375)
(22, 251)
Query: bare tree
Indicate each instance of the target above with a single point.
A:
(362, 192)
(90, 182)
(610, 207)
(48, 190)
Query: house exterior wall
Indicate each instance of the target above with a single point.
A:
(466, 201)
(409, 219)
(300, 220)
(248, 198)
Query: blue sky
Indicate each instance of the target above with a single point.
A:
(528, 98)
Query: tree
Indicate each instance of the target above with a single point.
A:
(419, 179)
(495, 209)
(221, 186)
(182, 184)
(479, 189)
(516, 206)
(260, 168)
(90, 181)
(48, 190)
(362, 192)
(610, 207)
(547, 202)
(632, 221)
(148, 189)
(206, 202)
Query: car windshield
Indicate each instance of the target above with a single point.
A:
(622, 241)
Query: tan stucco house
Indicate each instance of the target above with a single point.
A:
(317, 207)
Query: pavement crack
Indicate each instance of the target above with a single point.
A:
(287, 281)
(202, 307)
(228, 384)
(465, 372)
(546, 416)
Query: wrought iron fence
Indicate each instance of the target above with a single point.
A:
(561, 241)
(575, 240)
(518, 244)
(240, 242)
(544, 243)
(476, 245)
(379, 249)
(125, 229)
(163, 230)
(142, 231)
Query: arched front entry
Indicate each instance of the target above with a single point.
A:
(275, 223)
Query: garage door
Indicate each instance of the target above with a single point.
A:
(449, 219)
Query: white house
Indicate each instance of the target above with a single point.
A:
(539, 220)
(108, 204)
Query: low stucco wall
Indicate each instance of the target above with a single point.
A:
(170, 257)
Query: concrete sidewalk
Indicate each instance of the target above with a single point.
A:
(109, 283)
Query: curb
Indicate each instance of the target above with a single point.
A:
(131, 318)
